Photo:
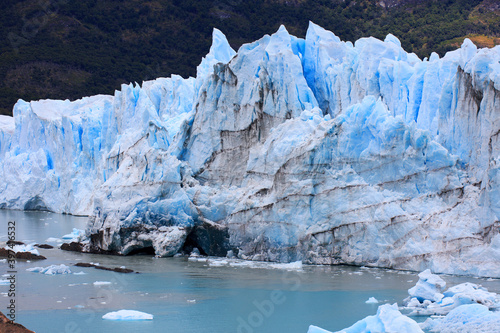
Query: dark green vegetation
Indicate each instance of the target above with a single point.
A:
(68, 49)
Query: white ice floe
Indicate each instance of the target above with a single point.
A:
(474, 318)
(466, 307)
(218, 262)
(54, 240)
(372, 300)
(51, 270)
(428, 297)
(102, 283)
(74, 236)
(387, 320)
(428, 287)
(127, 315)
(315, 329)
(23, 248)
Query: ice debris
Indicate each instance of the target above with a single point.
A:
(74, 236)
(475, 318)
(51, 270)
(429, 298)
(127, 315)
(372, 300)
(387, 320)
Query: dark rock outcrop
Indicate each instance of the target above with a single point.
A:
(8, 326)
(116, 269)
(44, 246)
(4, 253)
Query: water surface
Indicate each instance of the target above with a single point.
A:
(190, 296)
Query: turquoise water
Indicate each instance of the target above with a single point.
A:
(190, 296)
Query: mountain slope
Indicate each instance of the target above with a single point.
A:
(68, 49)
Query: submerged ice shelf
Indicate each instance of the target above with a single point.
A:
(313, 150)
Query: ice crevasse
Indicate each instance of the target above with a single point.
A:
(289, 149)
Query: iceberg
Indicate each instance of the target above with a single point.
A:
(428, 287)
(51, 270)
(475, 318)
(388, 319)
(316, 329)
(127, 315)
(288, 149)
(428, 297)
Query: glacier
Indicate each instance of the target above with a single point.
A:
(314, 150)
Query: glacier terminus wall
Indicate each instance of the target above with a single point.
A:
(289, 149)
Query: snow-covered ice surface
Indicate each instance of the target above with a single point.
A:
(51, 270)
(127, 315)
(313, 150)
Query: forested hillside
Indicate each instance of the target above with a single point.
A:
(69, 49)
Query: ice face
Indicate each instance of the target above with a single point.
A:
(313, 150)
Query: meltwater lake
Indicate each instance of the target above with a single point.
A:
(190, 295)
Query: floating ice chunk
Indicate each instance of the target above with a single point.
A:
(127, 315)
(23, 248)
(315, 329)
(102, 283)
(74, 235)
(428, 287)
(297, 265)
(387, 319)
(51, 270)
(466, 318)
(53, 240)
(4, 282)
(464, 293)
(472, 293)
(80, 273)
(372, 300)
(195, 252)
